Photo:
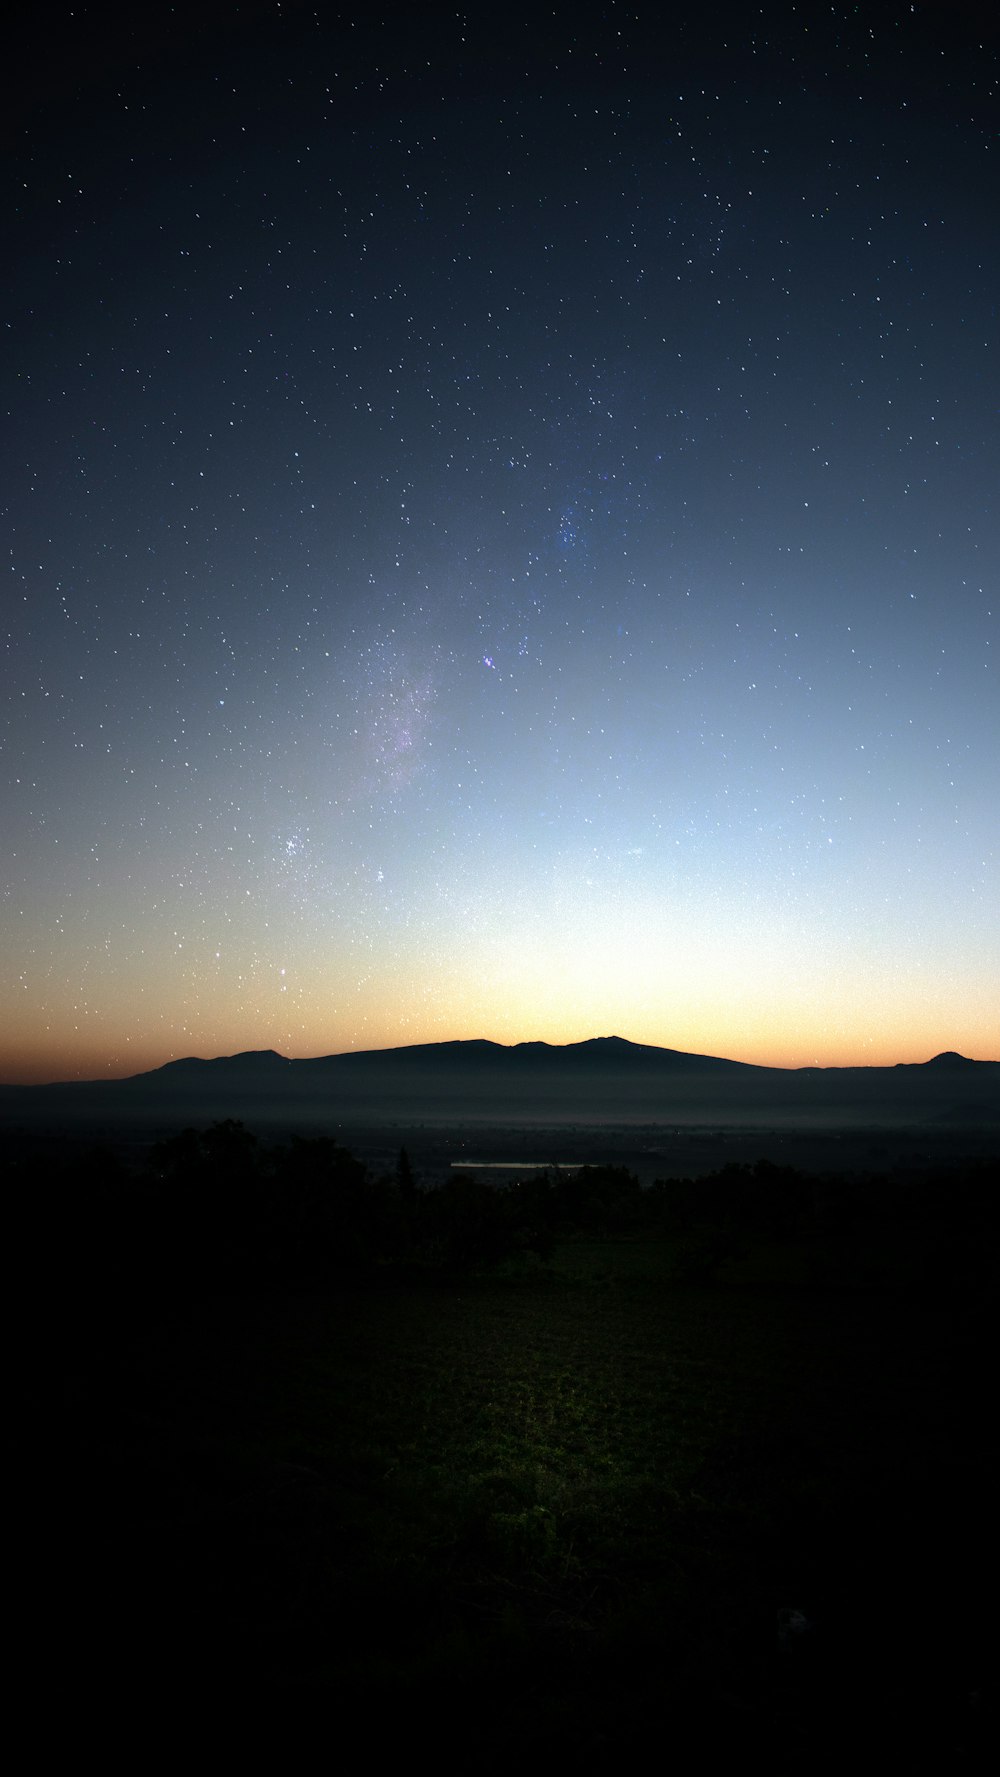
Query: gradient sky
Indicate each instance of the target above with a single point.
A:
(504, 533)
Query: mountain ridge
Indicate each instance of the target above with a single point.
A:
(609, 1052)
(485, 1049)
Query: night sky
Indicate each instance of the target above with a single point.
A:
(503, 532)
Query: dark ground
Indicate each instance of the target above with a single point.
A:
(565, 1509)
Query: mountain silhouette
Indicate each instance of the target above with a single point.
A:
(601, 1080)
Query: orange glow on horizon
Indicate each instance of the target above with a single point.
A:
(724, 982)
(40, 1063)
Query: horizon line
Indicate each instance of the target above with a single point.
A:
(492, 1042)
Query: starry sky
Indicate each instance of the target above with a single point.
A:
(503, 532)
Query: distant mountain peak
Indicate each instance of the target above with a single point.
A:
(247, 1058)
(949, 1058)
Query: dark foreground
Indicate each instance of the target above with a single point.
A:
(661, 1488)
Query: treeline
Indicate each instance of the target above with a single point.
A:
(216, 1208)
(920, 1229)
(897, 1229)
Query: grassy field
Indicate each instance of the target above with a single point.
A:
(551, 1511)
